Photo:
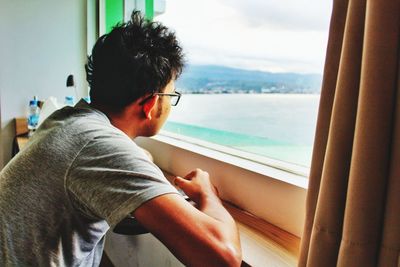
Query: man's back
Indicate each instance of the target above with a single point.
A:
(50, 212)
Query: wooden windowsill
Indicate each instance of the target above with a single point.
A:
(263, 244)
(287, 240)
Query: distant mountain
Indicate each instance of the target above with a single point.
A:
(220, 79)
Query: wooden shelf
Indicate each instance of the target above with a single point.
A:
(21, 126)
(21, 142)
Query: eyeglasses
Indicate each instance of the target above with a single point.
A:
(173, 96)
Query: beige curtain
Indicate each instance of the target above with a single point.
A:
(353, 202)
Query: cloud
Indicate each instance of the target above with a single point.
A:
(268, 35)
(284, 14)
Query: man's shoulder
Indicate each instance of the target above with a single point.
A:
(69, 130)
(78, 122)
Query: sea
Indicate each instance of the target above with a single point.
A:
(278, 126)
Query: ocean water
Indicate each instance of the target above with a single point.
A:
(279, 126)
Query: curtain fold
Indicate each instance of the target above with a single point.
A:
(389, 250)
(352, 215)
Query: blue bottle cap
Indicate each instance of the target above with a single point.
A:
(33, 102)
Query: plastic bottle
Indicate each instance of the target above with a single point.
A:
(87, 99)
(69, 101)
(33, 116)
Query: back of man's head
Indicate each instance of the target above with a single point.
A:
(135, 59)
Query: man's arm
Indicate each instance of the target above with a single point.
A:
(206, 236)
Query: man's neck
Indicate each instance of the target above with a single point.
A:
(125, 120)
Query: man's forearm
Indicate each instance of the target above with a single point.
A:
(212, 206)
(195, 237)
(219, 226)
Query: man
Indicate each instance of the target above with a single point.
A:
(81, 173)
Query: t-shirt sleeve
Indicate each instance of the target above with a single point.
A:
(112, 176)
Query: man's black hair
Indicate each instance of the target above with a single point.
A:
(136, 58)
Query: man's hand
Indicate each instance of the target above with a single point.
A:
(197, 186)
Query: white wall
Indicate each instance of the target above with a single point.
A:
(42, 41)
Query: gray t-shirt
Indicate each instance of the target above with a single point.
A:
(77, 177)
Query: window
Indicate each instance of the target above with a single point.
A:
(253, 77)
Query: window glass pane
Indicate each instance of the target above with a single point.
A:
(254, 73)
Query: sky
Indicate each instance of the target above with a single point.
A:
(266, 35)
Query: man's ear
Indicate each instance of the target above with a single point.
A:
(148, 106)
